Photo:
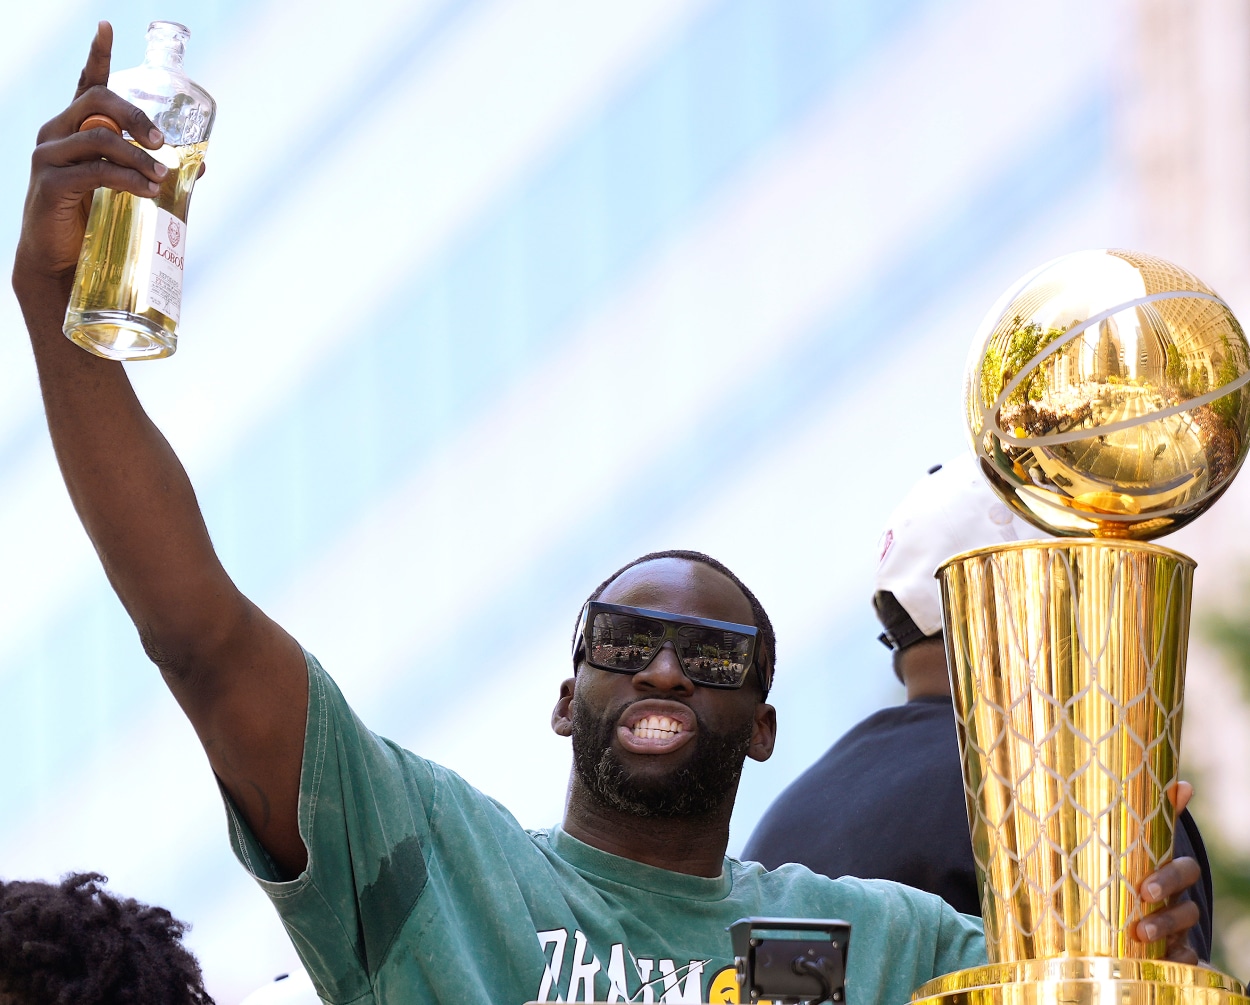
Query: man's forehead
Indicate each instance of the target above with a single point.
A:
(680, 586)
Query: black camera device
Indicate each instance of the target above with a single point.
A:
(781, 960)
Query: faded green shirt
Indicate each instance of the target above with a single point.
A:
(421, 889)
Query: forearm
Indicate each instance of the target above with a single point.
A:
(239, 677)
(128, 487)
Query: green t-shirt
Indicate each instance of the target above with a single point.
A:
(421, 889)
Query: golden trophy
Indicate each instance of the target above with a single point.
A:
(1107, 403)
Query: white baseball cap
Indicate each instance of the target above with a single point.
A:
(951, 510)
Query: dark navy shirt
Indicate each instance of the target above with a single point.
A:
(887, 802)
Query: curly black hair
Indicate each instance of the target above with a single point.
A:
(768, 638)
(76, 944)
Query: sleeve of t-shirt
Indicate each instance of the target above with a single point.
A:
(960, 942)
(902, 938)
(364, 810)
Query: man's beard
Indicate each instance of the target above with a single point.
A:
(696, 789)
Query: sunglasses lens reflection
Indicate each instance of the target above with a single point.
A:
(623, 641)
(714, 656)
(626, 643)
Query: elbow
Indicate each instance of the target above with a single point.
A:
(183, 650)
(174, 661)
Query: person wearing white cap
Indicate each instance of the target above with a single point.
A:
(886, 801)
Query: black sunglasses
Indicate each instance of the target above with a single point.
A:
(626, 639)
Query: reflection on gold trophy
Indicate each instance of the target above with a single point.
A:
(1107, 402)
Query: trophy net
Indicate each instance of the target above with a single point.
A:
(1068, 663)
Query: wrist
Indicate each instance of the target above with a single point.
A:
(40, 295)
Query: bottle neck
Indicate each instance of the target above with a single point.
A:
(165, 54)
(167, 44)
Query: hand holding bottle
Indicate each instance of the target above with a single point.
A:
(68, 166)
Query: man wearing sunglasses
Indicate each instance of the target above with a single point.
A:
(397, 881)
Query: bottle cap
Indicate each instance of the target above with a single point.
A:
(92, 121)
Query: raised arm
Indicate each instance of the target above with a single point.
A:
(238, 676)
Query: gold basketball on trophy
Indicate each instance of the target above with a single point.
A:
(1105, 396)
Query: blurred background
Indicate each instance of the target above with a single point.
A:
(487, 297)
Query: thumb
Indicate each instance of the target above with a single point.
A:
(1179, 795)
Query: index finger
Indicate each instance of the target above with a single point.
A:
(1178, 875)
(96, 101)
(99, 59)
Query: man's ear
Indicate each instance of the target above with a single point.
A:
(764, 733)
(561, 715)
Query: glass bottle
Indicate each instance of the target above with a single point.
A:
(127, 295)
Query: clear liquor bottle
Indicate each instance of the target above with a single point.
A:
(127, 295)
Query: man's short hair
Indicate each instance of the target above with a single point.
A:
(75, 942)
(759, 617)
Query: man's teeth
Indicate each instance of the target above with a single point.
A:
(657, 727)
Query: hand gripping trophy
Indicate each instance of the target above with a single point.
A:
(1107, 403)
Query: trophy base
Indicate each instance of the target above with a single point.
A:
(1083, 980)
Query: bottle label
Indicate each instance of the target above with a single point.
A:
(168, 253)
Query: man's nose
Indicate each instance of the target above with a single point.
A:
(664, 673)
